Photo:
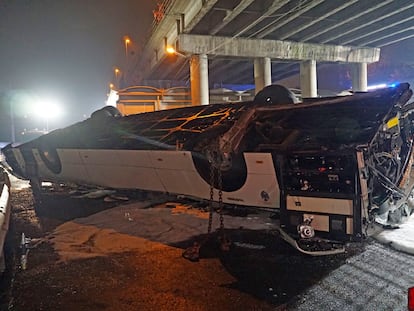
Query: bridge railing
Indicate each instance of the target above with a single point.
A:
(139, 99)
(159, 13)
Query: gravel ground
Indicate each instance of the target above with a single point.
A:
(82, 261)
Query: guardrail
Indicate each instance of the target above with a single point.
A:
(159, 12)
(139, 99)
(5, 211)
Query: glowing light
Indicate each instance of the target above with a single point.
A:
(170, 50)
(127, 41)
(381, 86)
(47, 108)
(376, 86)
(112, 98)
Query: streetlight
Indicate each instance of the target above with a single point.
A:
(171, 50)
(127, 41)
(47, 109)
(116, 73)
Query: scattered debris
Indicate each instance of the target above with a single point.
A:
(128, 216)
(96, 194)
(249, 245)
(192, 253)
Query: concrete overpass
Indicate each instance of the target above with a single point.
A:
(263, 41)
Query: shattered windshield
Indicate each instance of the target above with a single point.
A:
(330, 126)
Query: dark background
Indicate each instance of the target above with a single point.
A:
(64, 49)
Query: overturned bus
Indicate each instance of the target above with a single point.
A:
(332, 167)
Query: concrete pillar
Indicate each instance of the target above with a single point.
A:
(262, 73)
(308, 79)
(199, 79)
(359, 77)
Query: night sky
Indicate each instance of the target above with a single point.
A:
(68, 49)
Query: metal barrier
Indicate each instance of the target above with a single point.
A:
(139, 99)
(159, 12)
